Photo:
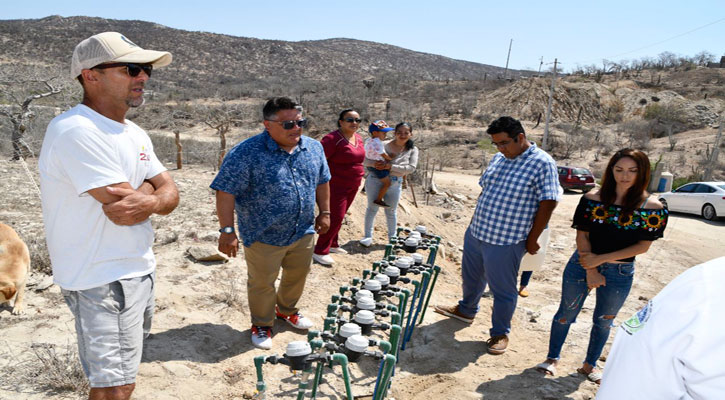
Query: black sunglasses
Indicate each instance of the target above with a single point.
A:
(132, 69)
(355, 120)
(287, 125)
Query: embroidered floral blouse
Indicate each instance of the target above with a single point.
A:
(610, 230)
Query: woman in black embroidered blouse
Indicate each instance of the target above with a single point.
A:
(613, 226)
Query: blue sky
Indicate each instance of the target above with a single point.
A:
(575, 32)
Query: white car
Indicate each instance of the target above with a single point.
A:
(701, 198)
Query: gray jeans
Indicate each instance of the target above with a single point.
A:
(112, 321)
(392, 196)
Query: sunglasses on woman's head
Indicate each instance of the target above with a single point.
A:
(355, 120)
(132, 69)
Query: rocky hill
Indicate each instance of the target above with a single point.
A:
(208, 62)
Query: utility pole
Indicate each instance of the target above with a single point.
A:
(541, 62)
(707, 175)
(548, 110)
(505, 72)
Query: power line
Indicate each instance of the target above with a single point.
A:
(668, 39)
(653, 44)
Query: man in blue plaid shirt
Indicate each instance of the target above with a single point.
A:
(520, 189)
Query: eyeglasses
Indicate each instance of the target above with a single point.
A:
(132, 69)
(351, 120)
(502, 143)
(287, 125)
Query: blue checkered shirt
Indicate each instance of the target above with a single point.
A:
(512, 190)
(274, 190)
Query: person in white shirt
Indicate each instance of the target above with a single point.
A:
(673, 348)
(375, 151)
(100, 182)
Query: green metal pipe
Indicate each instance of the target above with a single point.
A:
(410, 326)
(385, 346)
(402, 303)
(395, 338)
(332, 310)
(432, 255)
(366, 273)
(388, 250)
(410, 311)
(316, 380)
(395, 318)
(342, 360)
(382, 385)
(436, 271)
(302, 386)
(329, 323)
(261, 387)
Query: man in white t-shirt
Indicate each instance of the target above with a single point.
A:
(100, 181)
(673, 348)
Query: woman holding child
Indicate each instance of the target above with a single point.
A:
(345, 153)
(403, 159)
(612, 226)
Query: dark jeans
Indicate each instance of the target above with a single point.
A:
(525, 278)
(497, 266)
(574, 291)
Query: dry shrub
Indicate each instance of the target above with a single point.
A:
(51, 368)
(39, 256)
(232, 289)
(58, 369)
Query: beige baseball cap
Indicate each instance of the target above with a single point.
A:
(113, 47)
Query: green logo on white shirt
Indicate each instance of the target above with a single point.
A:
(637, 321)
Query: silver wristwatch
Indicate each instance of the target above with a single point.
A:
(227, 229)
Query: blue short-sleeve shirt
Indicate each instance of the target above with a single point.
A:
(274, 190)
(512, 190)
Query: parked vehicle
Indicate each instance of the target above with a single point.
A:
(701, 198)
(576, 178)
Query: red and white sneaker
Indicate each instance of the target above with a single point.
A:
(262, 337)
(296, 320)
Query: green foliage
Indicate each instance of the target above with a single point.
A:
(677, 182)
(660, 112)
(487, 146)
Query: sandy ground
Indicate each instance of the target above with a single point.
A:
(200, 346)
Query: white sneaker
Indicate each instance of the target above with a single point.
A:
(324, 259)
(366, 242)
(262, 337)
(338, 250)
(296, 320)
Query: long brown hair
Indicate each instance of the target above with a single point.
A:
(635, 194)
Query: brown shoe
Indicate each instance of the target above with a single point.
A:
(497, 344)
(454, 313)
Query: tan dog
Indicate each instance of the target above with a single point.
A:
(14, 268)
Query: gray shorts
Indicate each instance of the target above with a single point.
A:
(111, 323)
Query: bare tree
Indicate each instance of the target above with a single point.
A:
(668, 116)
(222, 119)
(21, 115)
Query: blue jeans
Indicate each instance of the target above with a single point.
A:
(392, 196)
(574, 291)
(525, 278)
(497, 266)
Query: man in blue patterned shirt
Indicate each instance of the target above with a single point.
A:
(273, 181)
(520, 189)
